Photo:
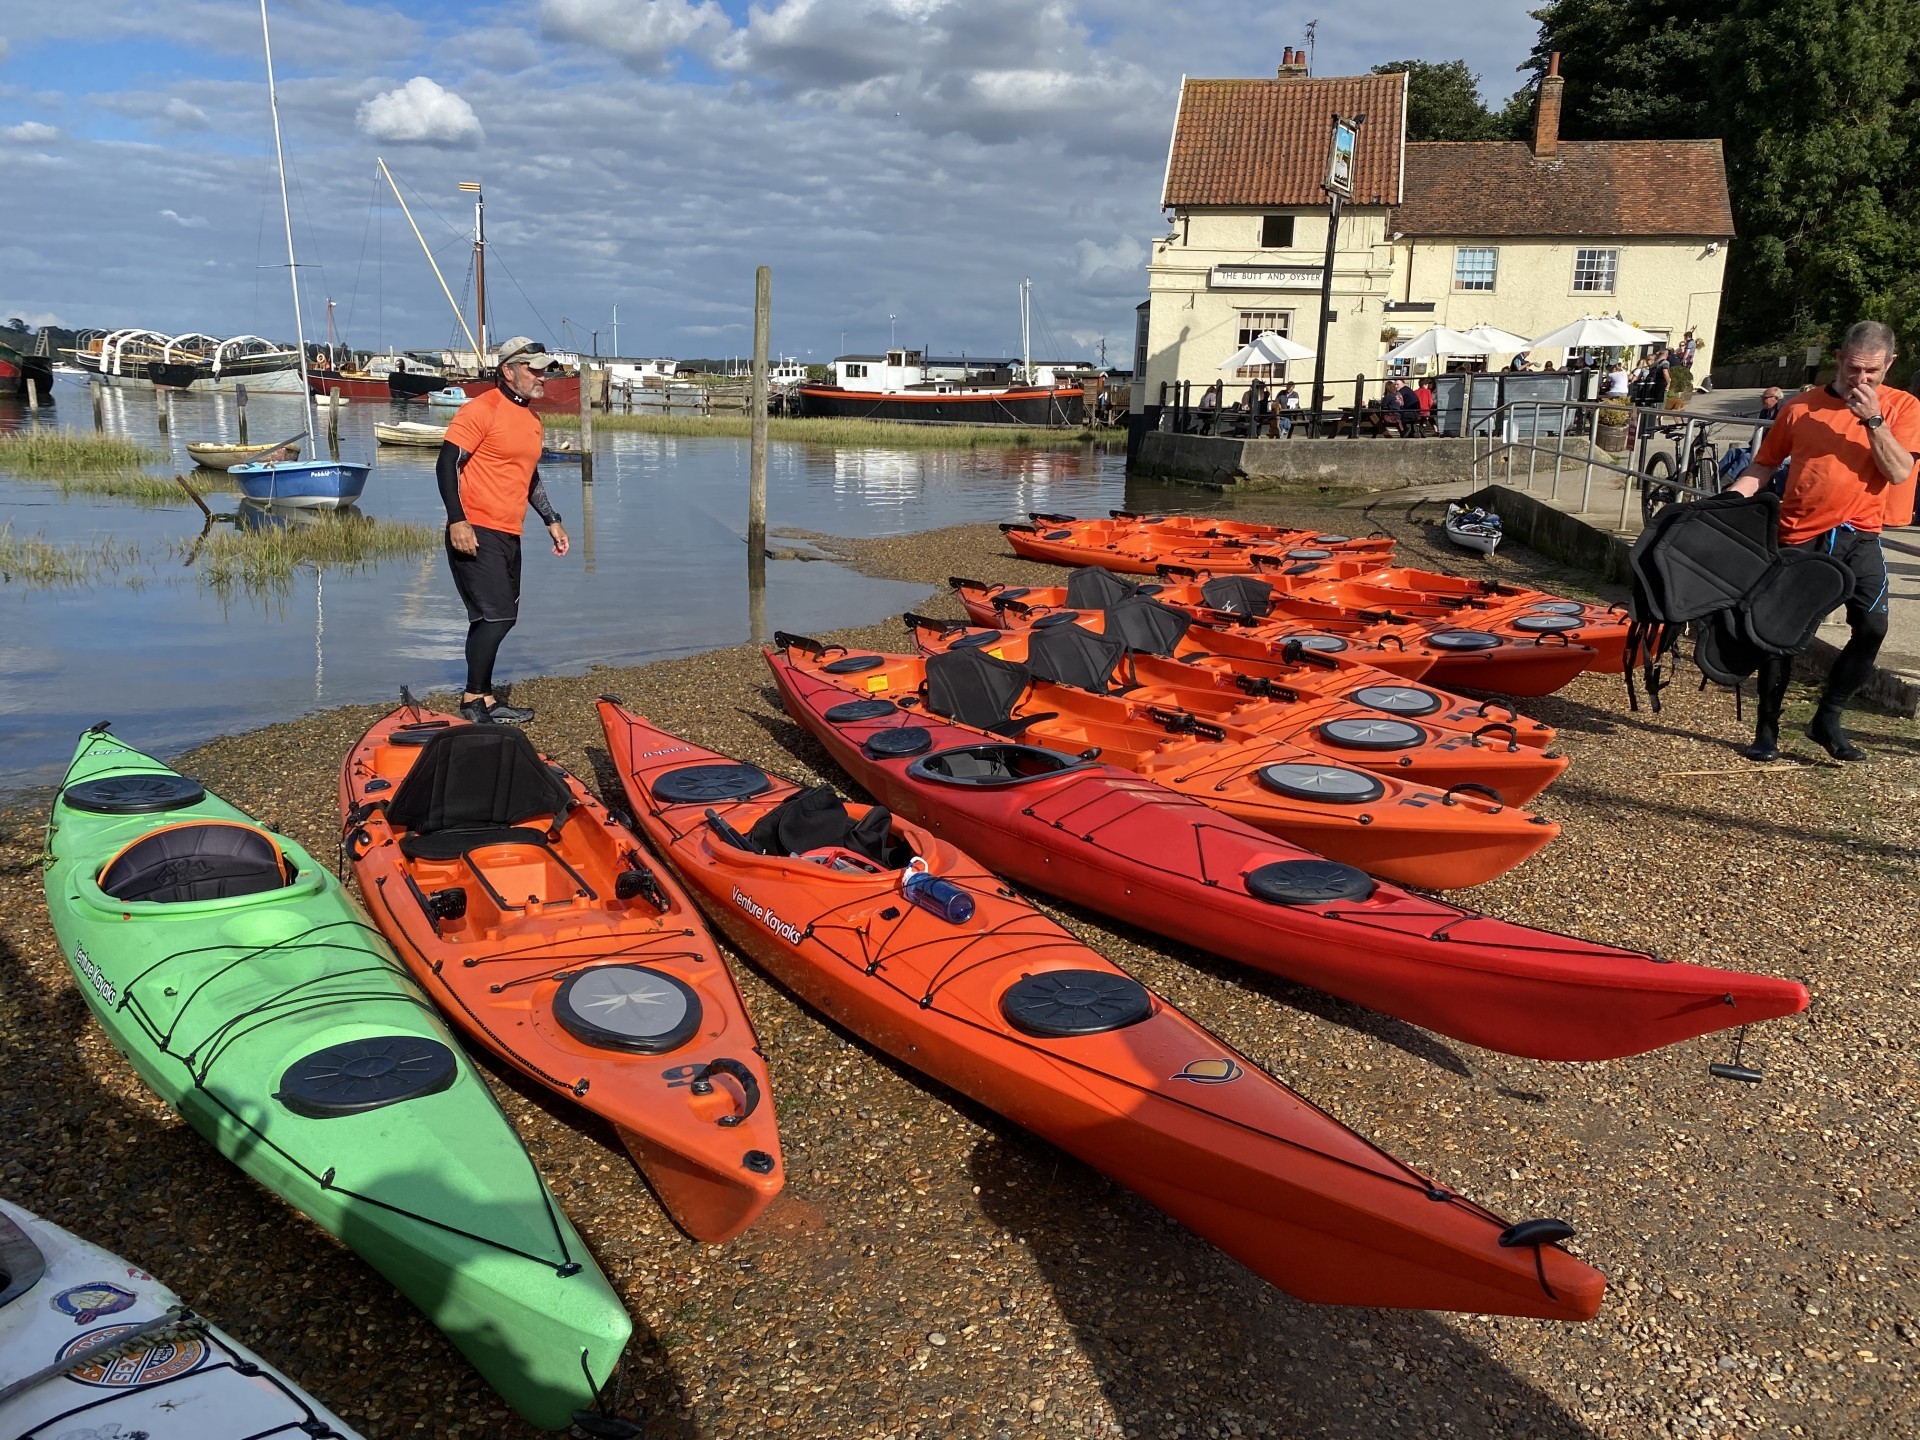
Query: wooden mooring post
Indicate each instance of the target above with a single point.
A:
(333, 422)
(99, 392)
(240, 399)
(757, 447)
(586, 423)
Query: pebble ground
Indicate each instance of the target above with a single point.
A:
(932, 1271)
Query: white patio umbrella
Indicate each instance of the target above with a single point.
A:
(1495, 341)
(1437, 341)
(1595, 332)
(1269, 347)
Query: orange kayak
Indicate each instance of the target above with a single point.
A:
(1514, 612)
(976, 989)
(525, 909)
(1298, 663)
(1133, 547)
(1401, 831)
(1335, 728)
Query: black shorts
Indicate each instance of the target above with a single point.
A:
(1860, 552)
(489, 581)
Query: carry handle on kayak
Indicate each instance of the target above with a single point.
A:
(1184, 722)
(1483, 711)
(806, 644)
(945, 627)
(1468, 787)
(1564, 637)
(703, 1082)
(1041, 517)
(1494, 728)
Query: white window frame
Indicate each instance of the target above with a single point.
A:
(1258, 322)
(1493, 270)
(856, 372)
(1612, 263)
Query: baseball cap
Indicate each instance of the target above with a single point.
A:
(522, 351)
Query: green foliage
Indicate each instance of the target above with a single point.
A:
(55, 453)
(1443, 101)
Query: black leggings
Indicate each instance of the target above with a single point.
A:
(483, 644)
(1860, 552)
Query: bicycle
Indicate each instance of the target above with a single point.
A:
(1657, 490)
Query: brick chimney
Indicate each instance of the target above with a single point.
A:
(1292, 62)
(1546, 114)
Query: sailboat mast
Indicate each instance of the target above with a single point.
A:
(1026, 331)
(286, 214)
(480, 270)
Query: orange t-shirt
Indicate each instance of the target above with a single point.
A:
(1834, 480)
(503, 443)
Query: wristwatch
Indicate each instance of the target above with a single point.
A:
(1874, 422)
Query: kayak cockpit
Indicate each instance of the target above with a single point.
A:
(198, 860)
(993, 765)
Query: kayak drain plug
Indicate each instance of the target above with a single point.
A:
(1733, 1069)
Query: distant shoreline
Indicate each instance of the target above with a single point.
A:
(846, 432)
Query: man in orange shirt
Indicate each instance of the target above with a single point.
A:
(489, 473)
(1852, 447)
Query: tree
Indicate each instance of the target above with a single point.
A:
(1634, 69)
(1443, 101)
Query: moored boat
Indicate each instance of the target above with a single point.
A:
(1472, 528)
(143, 1363)
(228, 966)
(1095, 835)
(222, 455)
(302, 484)
(972, 986)
(526, 911)
(409, 432)
(905, 386)
(450, 397)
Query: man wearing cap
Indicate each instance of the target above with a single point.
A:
(489, 472)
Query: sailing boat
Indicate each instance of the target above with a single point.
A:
(306, 484)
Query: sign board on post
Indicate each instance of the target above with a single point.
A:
(1339, 179)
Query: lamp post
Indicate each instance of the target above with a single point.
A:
(1339, 187)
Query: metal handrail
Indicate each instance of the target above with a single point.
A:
(1502, 433)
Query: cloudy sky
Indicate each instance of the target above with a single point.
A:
(913, 158)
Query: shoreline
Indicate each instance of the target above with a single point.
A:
(1731, 1221)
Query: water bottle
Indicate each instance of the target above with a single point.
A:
(930, 892)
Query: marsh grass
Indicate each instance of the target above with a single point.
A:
(160, 489)
(31, 560)
(889, 433)
(53, 454)
(265, 559)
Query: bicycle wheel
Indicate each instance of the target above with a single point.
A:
(1705, 475)
(1657, 490)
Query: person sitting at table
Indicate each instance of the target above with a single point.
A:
(1520, 362)
(1423, 402)
(1385, 412)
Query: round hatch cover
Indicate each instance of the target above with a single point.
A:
(1314, 640)
(977, 639)
(1396, 699)
(1075, 1002)
(1309, 553)
(1462, 640)
(360, 1075)
(898, 741)
(1332, 539)
(1058, 617)
(1547, 624)
(1557, 607)
(1308, 882)
(134, 794)
(1330, 784)
(628, 1007)
(853, 664)
(1364, 733)
(860, 710)
(701, 784)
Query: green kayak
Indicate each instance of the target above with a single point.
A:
(251, 993)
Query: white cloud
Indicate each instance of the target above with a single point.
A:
(641, 32)
(189, 222)
(29, 132)
(183, 115)
(5, 50)
(420, 112)
(1121, 259)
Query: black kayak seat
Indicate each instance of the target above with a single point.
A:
(1239, 595)
(214, 860)
(1073, 655)
(477, 777)
(453, 844)
(1092, 588)
(1148, 625)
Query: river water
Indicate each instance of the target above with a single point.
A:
(658, 569)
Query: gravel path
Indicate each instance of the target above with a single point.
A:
(932, 1271)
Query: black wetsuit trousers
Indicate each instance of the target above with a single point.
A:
(1860, 552)
(489, 585)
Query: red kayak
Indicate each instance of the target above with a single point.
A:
(953, 974)
(1101, 837)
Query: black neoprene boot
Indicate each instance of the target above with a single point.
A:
(1824, 730)
(1775, 673)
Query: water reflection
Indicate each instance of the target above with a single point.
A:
(656, 571)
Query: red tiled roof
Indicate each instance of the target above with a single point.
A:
(1264, 142)
(1591, 187)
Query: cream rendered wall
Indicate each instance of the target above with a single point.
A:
(1669, 284)
(1193, 327)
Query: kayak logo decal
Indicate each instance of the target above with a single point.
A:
(166, 1359)
(766, 917)
(663, 750)
(87, 1303)
(102, 986)
(1211, 1072)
